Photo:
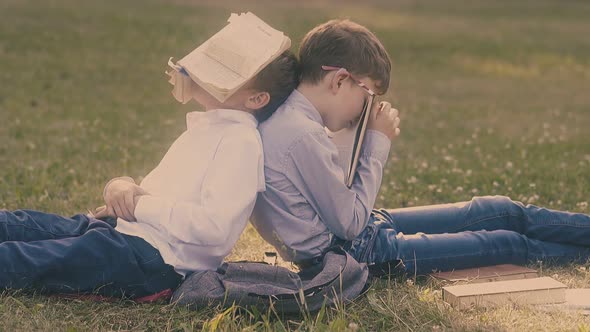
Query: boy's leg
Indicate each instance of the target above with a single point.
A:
(494, 213)
(423, 253)
(159, 275)
(28, 225)
(100, 259)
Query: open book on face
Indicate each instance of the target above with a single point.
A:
(349, 141)
(227, 60)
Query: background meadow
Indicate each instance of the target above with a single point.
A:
(493, 95)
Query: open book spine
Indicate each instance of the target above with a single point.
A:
(182, 83)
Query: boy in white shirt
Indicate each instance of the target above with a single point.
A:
(184, 216)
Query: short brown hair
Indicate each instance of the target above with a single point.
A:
(279, 78)
(343, 43)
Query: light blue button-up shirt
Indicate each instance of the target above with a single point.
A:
(306, 202)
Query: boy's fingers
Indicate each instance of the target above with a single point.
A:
(118, 211)
(142, 191)
(124, 211)
(100, 214)
(382, 110)
(105, 212)
(375, 112)
(395, 112)
(111, 211)
(385, 107)
(130, 206)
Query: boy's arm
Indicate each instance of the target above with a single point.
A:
(228, 191)
(312, 167)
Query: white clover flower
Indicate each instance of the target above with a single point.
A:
(352, 326)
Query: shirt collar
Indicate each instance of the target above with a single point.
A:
(300, 103)
(220, 114)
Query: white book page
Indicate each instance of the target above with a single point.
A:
(234, 54)
(212, 72)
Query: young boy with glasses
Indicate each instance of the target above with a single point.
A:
(307, 208)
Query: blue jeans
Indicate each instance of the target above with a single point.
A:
(484, 231)
(56, 254)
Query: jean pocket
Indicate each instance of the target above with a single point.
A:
(361, 247)
(146, 255)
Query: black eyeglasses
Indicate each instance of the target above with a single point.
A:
(358, 82)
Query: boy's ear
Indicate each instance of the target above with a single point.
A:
(257, 100)
(337, 79)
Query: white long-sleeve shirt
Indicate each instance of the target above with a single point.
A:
(202, 192)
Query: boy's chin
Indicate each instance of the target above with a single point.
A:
(207, 108)
(208, 105)
(338, 127)
(334, 127)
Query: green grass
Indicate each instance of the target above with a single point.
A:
(493, 97)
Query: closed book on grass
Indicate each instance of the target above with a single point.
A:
(227, 60)
(543, 290)
(487, 274)
(577, 299)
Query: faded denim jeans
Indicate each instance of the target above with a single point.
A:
(57, 254)
(484, 231)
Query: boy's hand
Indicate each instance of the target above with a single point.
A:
(385, 119)
(121, 198)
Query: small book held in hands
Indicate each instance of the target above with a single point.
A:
(348, 141)
(227, 60)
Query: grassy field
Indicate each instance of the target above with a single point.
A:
(494, 99)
